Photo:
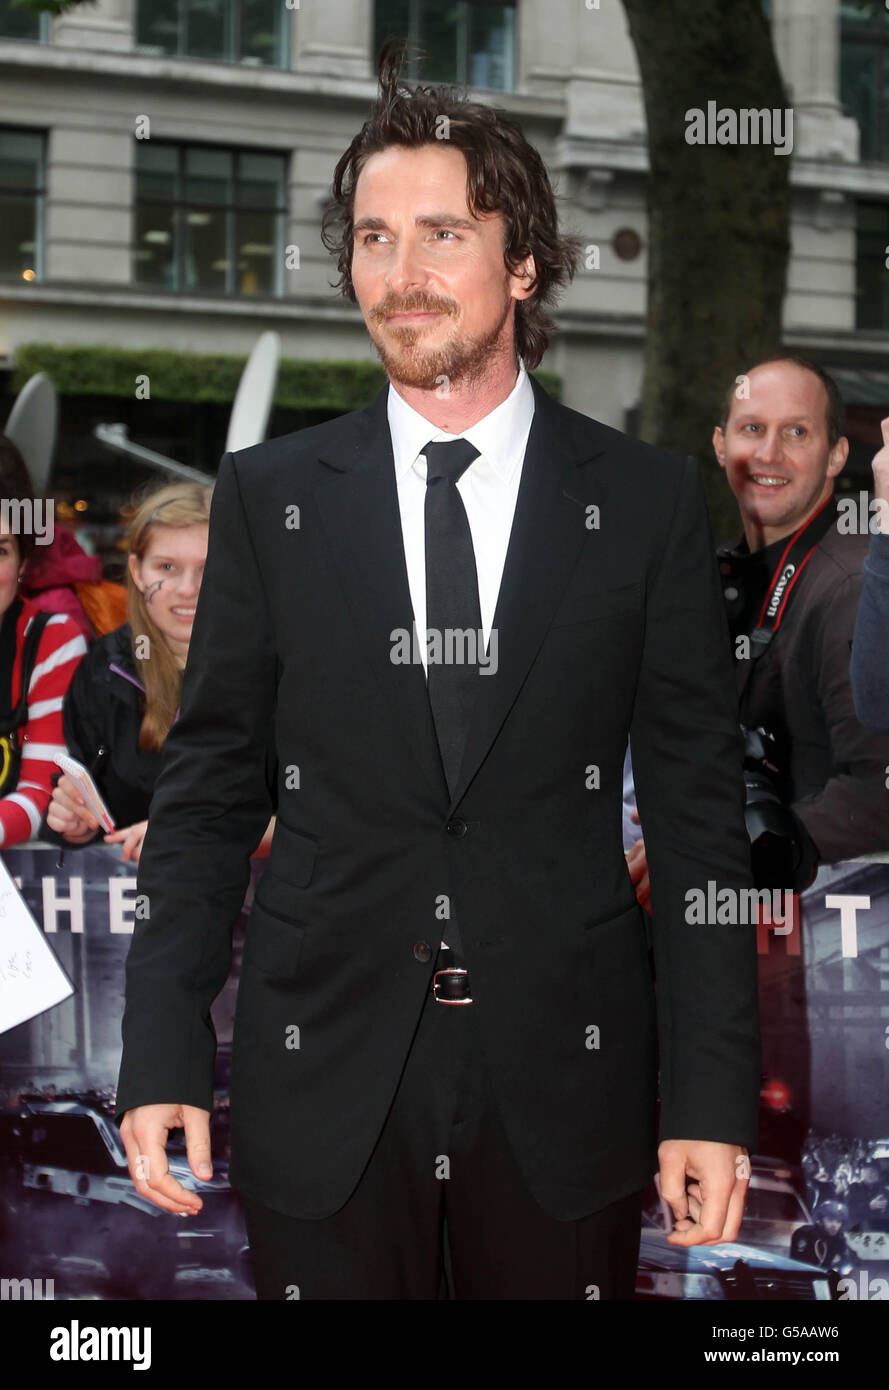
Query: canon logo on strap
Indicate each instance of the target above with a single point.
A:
(786, 575)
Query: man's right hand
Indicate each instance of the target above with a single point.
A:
(144, 1133)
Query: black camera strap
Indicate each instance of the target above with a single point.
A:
(794, 558)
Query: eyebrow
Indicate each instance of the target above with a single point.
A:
(432, 219)
(745, 417)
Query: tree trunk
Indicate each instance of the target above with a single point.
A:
(718, 222)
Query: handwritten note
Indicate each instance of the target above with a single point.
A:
(31, 978)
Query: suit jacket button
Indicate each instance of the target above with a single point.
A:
(422, 951)
(457, 828)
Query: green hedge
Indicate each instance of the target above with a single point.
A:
(53, 7)
(333, 385)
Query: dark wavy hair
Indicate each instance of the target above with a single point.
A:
(504, 175)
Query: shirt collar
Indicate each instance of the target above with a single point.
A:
(500, 436)
(742, 553)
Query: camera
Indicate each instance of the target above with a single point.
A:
(782, 853)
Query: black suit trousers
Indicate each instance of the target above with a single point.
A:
(441, 1209)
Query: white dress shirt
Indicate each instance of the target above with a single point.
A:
(488, 488)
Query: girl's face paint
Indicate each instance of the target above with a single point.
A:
(169, 576)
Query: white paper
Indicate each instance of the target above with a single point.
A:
(31, 978)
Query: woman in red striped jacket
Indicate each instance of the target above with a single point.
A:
(31, 719)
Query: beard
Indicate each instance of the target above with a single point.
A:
(467, 360)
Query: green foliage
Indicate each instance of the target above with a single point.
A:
(332, 385)
(54, 7)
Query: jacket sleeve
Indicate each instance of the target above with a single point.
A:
(687, 762)
(211, 804)
(850, 814)
(82, 736)
(869, 670)
(60, 649)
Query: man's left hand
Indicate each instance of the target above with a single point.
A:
(710, 1209)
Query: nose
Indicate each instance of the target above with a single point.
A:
(406, 271)
(189, 584)
(768, 447)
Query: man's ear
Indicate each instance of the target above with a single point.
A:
(837, 457)
(524, 280)
(719, 445)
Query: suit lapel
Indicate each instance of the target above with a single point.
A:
(358, 505)
(548, 533)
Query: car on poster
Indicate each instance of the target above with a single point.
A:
(66, 1192)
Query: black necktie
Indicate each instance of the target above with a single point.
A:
(452, 605)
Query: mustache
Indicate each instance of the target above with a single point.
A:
(414, 304)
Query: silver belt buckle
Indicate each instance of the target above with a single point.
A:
(448, 970)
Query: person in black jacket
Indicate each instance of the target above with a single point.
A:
(824, 1241)
(869, 1200)
(101, 721)
(126, 697)
(440, 841)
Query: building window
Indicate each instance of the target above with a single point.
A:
(228, 31)
(864, 76)
(21, 204)
(209, 220)
(872, 278)
(469, 43)
(16, 22)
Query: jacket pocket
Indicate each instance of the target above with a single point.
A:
(273, 943)
(619, 943)
(290, 865)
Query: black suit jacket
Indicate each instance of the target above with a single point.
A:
(610, 622)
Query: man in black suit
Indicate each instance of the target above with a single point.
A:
(424, 633)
